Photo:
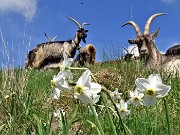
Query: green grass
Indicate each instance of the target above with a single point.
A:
(26, 104)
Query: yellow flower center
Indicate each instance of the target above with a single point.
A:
(115, 94)
(79, 89)
(150, 92)
(53, 83)
(136, 98)
(122, 110)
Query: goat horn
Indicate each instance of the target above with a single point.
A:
(85, 24)
(53, 39)
(147, 26)
(136, 27)
(47, 36)
(126, 49)
(133, 49)
(74, 21)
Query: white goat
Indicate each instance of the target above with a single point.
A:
(132, 53)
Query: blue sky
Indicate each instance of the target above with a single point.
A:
(23, 23)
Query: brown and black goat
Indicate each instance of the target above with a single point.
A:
(86, 56)
(173, 51)
(49, 53)
(148, 50)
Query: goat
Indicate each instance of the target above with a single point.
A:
(86, 55)
(148, 50)
(175, 50)
(52, 52)
(50, 40)
(131, 53)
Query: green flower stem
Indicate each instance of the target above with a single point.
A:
(114, 104)
(109, 116)
(117, 110)
(76, 68)
(96, 119)
(156, 117)
(168, 117)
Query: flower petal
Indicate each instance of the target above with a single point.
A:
(95, 98)
(164, 89)
(149, 101)
(154, 79)
(84, 98)
(123, 114)
(131, 94)
(69, 62)
(122, 103)
(142, 84)
(56, 93)
(141, 95)
(95, 88)
(85, 79)
(130, 101)
(125, 105)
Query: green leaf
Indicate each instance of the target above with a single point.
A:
(94, 125)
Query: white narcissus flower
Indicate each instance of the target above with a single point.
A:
(58, 112)
(122, 106)
(152, 89)
(67, 62)
(115, 95)
(60, 82)
(85, 90)
(56, 93)
(136, 98)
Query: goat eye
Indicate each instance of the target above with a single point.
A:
(140, 43)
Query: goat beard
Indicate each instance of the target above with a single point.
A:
(144, 57)
(84, 40)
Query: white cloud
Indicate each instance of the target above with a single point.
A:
(168, 1)
(175, 43)
(23, 7)
(162, 52)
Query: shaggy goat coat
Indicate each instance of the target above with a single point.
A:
(86, 55)
(49, 53)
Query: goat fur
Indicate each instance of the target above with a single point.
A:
(148, 50)
(48, 53)
(173, 51)
(86, 55)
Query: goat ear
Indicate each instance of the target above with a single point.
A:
(86, 30)
(155, 34)
(132, 41)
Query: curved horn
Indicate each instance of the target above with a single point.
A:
(74, 21)
(126, 49)
(133, 49)
(84, 24)
(47, 36)
(147, 26)
(136, 27)
(53, 39)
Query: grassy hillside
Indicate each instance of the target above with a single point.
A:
(27, 106)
